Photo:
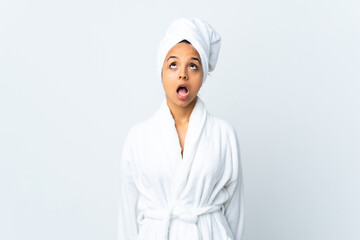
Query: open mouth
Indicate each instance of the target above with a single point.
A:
(182, 90)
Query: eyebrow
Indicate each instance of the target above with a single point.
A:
(192, 58)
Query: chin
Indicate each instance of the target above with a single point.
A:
(178, 102)
(184, 103)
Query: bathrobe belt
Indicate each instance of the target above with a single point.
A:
(187, 214)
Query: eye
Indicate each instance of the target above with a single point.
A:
(193, 65)
(172, 64)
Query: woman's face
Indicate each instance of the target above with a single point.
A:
(182, 66)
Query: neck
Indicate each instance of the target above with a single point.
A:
(180, 114)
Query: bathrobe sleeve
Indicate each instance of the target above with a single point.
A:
(127, 215)
(234, 207)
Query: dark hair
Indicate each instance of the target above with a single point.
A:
(185, 41)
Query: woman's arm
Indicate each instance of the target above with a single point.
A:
(127, 224)
(234, 207)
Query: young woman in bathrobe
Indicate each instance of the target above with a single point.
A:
(181, 176)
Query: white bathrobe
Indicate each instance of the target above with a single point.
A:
(166, 196)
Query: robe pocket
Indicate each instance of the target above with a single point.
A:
(223, 223)
(151, 229)
(143, 229)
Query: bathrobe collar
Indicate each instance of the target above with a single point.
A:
(195, 128)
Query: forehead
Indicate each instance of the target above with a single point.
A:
(183, 49)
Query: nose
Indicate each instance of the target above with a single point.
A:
(183, 75)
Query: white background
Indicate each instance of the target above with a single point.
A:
(75, 75)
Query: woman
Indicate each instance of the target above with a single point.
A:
(181, 174)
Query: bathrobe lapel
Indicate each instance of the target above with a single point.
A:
(181, 166)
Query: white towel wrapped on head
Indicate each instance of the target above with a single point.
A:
(200, 34)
